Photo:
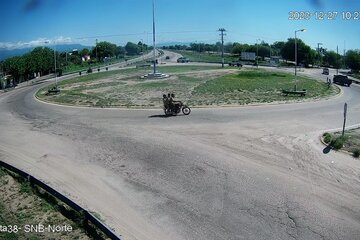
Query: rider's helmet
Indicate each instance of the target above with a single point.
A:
(172, 95)
(164, 95)
(168, 95)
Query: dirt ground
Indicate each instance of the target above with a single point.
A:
(20, 208)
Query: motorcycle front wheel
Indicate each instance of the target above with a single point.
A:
(186, 110)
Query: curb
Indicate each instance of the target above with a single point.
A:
(321, 138)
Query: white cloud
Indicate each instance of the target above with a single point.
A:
(36, 43)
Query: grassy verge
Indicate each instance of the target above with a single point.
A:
(196, 85)
(207, 57)
(349, 142)
(257, 86)
(23, 206)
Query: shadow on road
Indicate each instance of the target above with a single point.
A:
(327, 149)
(164, 116)
(160, 116)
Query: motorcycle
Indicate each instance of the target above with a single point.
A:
(176, 108)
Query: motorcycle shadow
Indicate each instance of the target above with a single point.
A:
(163, 116)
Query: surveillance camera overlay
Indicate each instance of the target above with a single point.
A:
(180, 120)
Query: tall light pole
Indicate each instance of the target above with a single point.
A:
(154, 50)
(55, 64)
(257, 52)
(54, 61)
(300, 30)
(318, 49)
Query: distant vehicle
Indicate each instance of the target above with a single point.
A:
(183, 60)
(167, 57)
(235, 63)
(342, 80)
(10, 85)
(325, 71)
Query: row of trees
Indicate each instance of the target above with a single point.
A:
(41, 60)
(286, 50)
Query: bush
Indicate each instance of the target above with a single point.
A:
(356, 153)
(338, 142)
(89, 70)
(327, 137)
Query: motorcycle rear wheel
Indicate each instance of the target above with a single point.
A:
(186, 110)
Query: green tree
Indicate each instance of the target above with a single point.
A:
(276, 48)
(104, 49)
(17, 67)
(41, 59)
(305, 54)
(332, 59)
(120, 51)
(84, 52)
(132, 49)
(352, 60)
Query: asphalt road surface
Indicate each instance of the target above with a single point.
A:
(254, 172)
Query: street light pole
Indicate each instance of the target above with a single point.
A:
(301, 30)
(318, 49)
(54, 61)
(154, 50)
(55, 64)
(257, 53)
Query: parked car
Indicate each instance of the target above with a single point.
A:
(342, 80)
(325, 71)
(183, 60)
(235, 63)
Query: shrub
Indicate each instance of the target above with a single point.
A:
(327, 137)
(89, 70)
(356, 153)
(338, 142)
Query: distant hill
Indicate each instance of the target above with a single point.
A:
(6, 53)
(167, 44)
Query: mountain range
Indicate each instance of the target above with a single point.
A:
(7, 53)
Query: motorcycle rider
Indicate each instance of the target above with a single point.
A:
(165, 101)
(174, 103)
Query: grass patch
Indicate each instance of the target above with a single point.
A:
(350, 142)
(207, 57)
(356, 152)
(196, 85)
(259, 86)
(23, 204)
(327, 138)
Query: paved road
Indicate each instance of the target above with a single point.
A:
(233, 173)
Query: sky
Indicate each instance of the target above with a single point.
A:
(28, 23)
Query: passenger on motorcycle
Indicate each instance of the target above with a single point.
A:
(173, 102)
(165, 101)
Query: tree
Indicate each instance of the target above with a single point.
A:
(41, 59)
(332, 59)
(84, 52)
(132, 49)
(17, 67)
(352, 60)
(276, 48)
(104, 49)
(305, 54)
(120, 51)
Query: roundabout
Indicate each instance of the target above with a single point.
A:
(196, 177)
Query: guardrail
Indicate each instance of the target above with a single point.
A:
(88, 216)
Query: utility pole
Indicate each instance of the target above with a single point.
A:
(337, 61)
(96, 50)
(222, 30)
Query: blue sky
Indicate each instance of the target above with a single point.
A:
(32, 22)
